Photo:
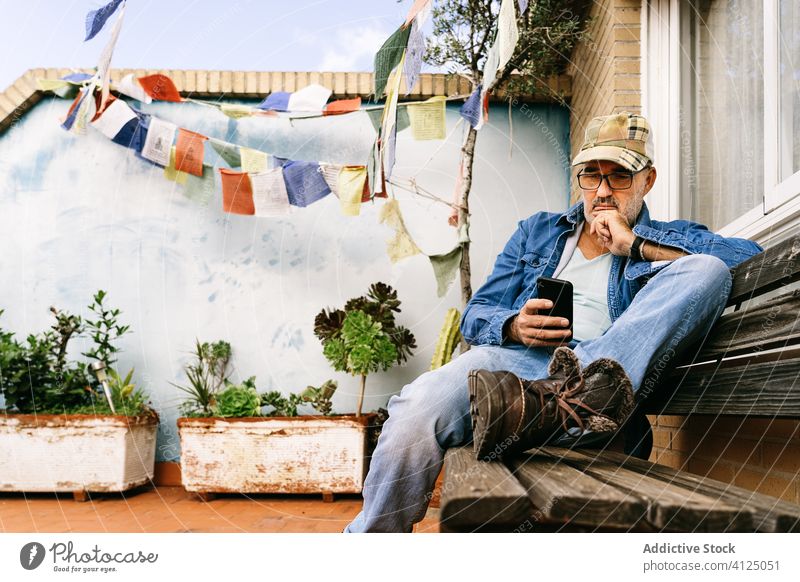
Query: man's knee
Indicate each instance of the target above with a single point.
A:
(705, 270)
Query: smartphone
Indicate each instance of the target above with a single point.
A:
(560, 293)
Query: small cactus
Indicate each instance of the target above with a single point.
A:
(449, 337)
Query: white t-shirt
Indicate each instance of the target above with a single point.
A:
(589, 280)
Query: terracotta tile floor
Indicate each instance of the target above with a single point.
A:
(172, 509)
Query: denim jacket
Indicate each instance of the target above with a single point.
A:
(535, 250)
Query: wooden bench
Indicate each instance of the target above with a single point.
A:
(749, 365)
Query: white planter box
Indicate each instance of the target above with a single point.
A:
(304, 454)
(76, 453)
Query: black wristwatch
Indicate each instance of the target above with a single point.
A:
(636, 248)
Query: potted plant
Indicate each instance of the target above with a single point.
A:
(63, 429)
(235, 439)
(364, 337)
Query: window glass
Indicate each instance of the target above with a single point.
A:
(722, 110)
(789, 78)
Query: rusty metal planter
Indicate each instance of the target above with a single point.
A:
(303, 454)
(77, 453)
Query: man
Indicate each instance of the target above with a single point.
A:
(644, 291)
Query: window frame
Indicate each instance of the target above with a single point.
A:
(661, 58)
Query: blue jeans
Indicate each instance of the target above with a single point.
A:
(675, 309)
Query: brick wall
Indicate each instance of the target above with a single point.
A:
(755, 453)
(605, 67)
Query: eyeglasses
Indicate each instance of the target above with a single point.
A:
(615, 180)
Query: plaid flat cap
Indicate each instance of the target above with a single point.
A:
(624, 138)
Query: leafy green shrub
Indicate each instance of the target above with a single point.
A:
(206, 374)
(36, 376)
(364, 337)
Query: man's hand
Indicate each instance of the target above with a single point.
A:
(531, 329)
(613, 232)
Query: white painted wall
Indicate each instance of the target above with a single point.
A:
(82, 213)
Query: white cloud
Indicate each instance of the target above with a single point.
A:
(353, 48)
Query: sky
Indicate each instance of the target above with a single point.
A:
(252, 35)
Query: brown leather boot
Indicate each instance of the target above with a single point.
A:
(510, 414)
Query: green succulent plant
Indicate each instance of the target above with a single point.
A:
(364, 338)
(239, 400)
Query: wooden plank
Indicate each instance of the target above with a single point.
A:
(775, 267)
(669, 507)
(480, 495)
(564, 494)
(769, 513)
(757, 389)
(756, 328)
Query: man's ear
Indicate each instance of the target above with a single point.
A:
(649, 180)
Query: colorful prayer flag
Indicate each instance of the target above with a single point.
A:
(342, 106)
(158, 144)
(330, 173)
(130, 86)
(308, 99)
(523, 6)
(416, 8)
(170, 173)
(388, 56)
(227, 151)
(113, 119)
(200, 189)
(428, 118)
(507, 33)
(253, 161)
(400, 245)
(444, 269)
(237, 192)
(414, 54)
(96, 19)
(189, 152)
(304, 183)
(350, 186)
(160, 88)
(104, 64)
(270, 197)
(472, 110)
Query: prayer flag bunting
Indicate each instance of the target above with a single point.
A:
(400, 245)
(310, 99)
(342, 106)
(160, 88)
(236, 111)
(96, 19)
(416, 8)
(507, 33)
(428, 119)
(189, 152)
(200, 189)
(158, 144)
(472, 110)
(444, 269)
(237, 192)
(350, 186)
(111, 121)
(170, 173)
(414, 54)
(130, 86)
(330, 173)
(304, 183)
(523, 6)
(134, 133)
(388, 57)
(254, 161)
(270, 197)
(227, 151)
(104, 64)
(402, 123)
